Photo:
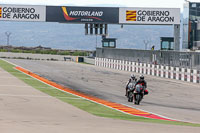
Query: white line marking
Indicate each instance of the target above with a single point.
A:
(159, 114)
(9, 62)
(148, 112)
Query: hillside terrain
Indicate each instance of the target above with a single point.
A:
(72, 36)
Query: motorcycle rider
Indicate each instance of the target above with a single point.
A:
(143, 83)
(131, 82)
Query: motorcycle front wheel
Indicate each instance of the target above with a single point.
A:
(137, 99)
(130, 97)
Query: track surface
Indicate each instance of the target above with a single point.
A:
(24, 109)
(170, 98)
(113, 105)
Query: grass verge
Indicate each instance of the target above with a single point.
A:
(88, 106)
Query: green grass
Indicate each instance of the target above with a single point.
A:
(88, 106)
(48, 51)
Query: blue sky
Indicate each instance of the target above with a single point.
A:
(126, 3)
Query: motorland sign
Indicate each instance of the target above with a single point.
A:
(160, 16)
(69, 14)
(22, 13)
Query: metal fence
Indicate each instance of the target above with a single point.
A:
(168, 58)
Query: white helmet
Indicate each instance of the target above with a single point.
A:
(133, 76)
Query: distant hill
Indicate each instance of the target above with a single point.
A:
(72, 36)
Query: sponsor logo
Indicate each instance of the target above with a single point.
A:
(82, 15)
(0, 12)
(149, 16)
(131, 15)
(18, 13)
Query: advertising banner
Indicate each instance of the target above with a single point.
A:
(158, 16)
(68, 14)
(22, 13)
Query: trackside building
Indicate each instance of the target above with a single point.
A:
(191, 26)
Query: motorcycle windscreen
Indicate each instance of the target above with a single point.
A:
(139, 88)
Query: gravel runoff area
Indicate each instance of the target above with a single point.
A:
(167, 97)
(25, 109)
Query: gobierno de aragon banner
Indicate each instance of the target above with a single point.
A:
(22, 13)
(69, 14)
(151, 16)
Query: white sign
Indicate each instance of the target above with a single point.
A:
(22, 13)
(165, 16)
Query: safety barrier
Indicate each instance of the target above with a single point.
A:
(184, 74)
(168, 58)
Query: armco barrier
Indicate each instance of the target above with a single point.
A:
(184, 74)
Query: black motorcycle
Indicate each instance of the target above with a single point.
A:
(138, 94)
(130, 94)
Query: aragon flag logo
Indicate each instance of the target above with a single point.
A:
(131, 15)
(0, 12)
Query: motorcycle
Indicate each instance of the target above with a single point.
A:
(138, 94)
(130, 92)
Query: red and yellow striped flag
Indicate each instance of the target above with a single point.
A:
(131, 15)
(0, 12)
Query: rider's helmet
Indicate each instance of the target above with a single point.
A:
(132, 76)
(141, 77)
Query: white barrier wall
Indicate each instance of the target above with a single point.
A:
(177, 73)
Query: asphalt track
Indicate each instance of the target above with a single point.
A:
(109, 104)
(174, 99)
(24, 109)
